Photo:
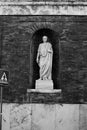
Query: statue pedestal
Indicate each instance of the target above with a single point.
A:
(44, 96)
(44, 84)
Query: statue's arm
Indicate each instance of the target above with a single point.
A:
(50, 50)
(38, 55)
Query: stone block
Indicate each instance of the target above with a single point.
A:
(43, 117)
(67, 117)
(20, 117)
(6, 117)
(44, 84)
(83, 117)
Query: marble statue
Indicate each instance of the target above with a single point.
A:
(44, 59)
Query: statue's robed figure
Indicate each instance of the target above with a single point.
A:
(44, 59)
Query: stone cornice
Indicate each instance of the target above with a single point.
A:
(71, 3)
(43, 8)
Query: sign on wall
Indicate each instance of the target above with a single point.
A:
(4, 77)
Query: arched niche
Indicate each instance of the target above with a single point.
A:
(53, 38)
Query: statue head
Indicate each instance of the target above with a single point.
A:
(44, 38)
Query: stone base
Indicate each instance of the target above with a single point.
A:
(44, 96)
(50, 91)
(44, 84)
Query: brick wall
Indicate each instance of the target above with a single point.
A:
(72, 35)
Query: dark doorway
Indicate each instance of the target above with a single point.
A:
(53, 38)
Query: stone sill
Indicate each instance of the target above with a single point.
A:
(44, 96)
(44, 91)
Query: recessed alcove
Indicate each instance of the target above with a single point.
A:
(53, 38)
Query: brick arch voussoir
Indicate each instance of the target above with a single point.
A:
(39, 26)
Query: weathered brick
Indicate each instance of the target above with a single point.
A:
(70, 62)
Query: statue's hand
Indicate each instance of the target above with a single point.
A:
(50, 51)
(37, 60)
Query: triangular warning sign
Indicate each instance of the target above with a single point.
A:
(4, 77)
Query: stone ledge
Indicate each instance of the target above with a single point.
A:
(23, 2)
(43, 8)
(44, 96)
(44, 91)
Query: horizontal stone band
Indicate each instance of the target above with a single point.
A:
(43, 8)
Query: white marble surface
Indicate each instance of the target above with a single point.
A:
(44, 117)
(44, 90)
(83, 117)
(44, 84)
(6, 117)
(67, 117)
(20, 117)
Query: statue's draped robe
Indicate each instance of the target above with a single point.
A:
(45, 55)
